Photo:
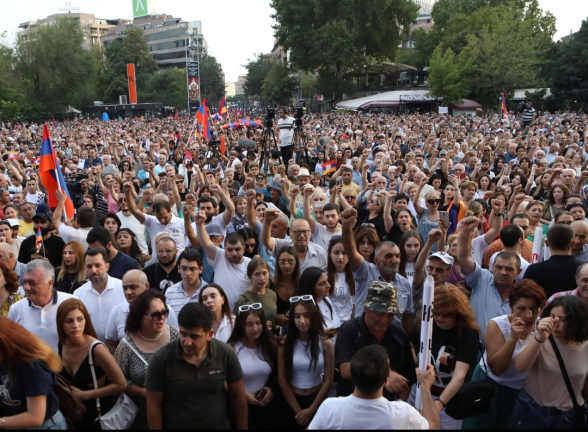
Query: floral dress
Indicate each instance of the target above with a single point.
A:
(135, 371)
(10, 300)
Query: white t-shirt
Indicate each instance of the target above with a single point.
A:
(409, 270)
(218, 219)
(353, 413)
(479, 247)
(35, 198)
(286, 127)
(137, 227)
(175, 227)
(524, 265)
(322, 236)
(231, 277)
(341, 299)
(68, 234)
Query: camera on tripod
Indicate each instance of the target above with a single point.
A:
(74, 184)
(298, 114)
(270, 115)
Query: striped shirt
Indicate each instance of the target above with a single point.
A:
(528, 114)
(176, 298)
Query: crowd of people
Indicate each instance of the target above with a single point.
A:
(271, 284)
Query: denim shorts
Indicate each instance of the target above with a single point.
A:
(57, 422)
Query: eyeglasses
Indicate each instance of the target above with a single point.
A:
(298, 233)
(250, 245)
(368, 225)
(254, 306)
(179, 181)
(444, 314)
(303, 298)
(158, 316)
(375, 202)
(287, 263)
(349, 196)
(564, 223)
(434, 201)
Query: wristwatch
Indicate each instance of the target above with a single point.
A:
(3, 424)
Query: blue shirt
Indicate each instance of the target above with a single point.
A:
(121, 264)
(485, 299)
(95, 162)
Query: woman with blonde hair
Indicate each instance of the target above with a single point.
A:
(454, 349)
(28, 367)
(77, 341)
(72, 273)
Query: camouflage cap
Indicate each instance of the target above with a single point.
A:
(382, 297)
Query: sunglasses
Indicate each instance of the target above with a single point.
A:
(303, 298)
(158, 316)
(349, 196)
(254, 306)
(434, 201)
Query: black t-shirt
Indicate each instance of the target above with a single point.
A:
(121, 264)
(53, 248)
(69, 283)
(159, 279)
(30, 380)
(447, 349)
(354, 335)
(378, 222)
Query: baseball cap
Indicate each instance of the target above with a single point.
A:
(382, 297)
(443, 152)
(14, 222)
(45, 216)
(213, 230)
(443, 256)
(259, 191)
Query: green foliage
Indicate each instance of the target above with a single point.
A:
(340, 35)
(568, 68)
(411, 57)
(257, 70)
(212, 81)
(9, 111)
(448, 75)
(278, 85)
(168, 86)
(310, 87)
(238, 98)
(55, 69)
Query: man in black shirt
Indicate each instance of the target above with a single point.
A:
(99, 238)
(558, 273)
(376, 326)
(53, 244)
(164, 273)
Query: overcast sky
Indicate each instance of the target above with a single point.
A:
(235, 30)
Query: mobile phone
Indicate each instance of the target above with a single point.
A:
(444, 217)
(261, 394)
(339, 181)
(462, 176)
(569, 152)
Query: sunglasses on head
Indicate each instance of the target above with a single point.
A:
(254, 306)
(158, 316)
(303, 298)
(434, 201)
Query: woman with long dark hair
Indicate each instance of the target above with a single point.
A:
(126, 242)
(340, 278)
(366, 239)
(258, 272)
(28, 367)
(286, 282)
(147, 331)
(250, 244)
(256, 350)
(410, 247)
(214, 298)
(76, 338)
(556, 202)
(112, 223)
(305, 362)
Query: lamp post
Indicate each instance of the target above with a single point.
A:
(187, 45)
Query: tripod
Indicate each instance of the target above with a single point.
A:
(268, 134)
(300, 141)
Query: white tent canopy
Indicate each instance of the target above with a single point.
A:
(71, 109)
(390, 98)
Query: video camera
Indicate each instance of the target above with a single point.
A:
(298, 114)
(270, 115)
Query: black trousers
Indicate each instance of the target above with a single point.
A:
(286, 152)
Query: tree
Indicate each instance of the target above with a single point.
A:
(341, 35)
(168, 86)
(448, 75)
(257, 70)
(212, 81)
(278, 86)
(568, 68)
(55, 68)
(238, 98)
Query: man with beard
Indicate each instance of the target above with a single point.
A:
(384, 268)
(321, 233)
(163, 273)
(230, 264)
(53, 244)
(101, 293)
(209, 206)
(129, 221)
(120, 263)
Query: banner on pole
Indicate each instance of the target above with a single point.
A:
(193, 71)
(132, 83)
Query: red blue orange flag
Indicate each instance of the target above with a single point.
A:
(504, 110)
(51, 176)
(222, 109)
(202, 117)
(39, 240)
(176, 115)
(188, 155)
(54, 123)
(329, 167)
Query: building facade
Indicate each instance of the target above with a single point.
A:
(235, 88)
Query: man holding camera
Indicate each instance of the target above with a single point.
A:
(286, 135)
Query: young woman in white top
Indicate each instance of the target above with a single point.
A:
(214, 298)
(306, 361)
(504, 339)
(545, 402)
(340, 278)
(315, 282)
(256, 350)
(411, 244)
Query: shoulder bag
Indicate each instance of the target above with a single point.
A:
(123, 414)
(473, 398)
(581, 411)
(69, 405)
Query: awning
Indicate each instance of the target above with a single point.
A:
(386, 68)
(467, 105)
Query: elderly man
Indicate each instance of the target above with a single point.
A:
(101, 293)
(309, 253)
(37, 312)
(376, 326)
(134, 282)
(579, 246)
(9, 257)
(384, 268)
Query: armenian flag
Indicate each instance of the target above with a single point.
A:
(176, 115)
(178, 138)
(188, 155)
(504, 110)
(329, 167)
(51, 176)
(39, 240)
(202, 116)
(222, 109)
(54, 123)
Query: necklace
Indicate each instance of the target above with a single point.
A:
(150, 340)
(72, 282)
(252, 353)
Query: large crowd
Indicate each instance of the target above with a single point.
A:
(275, 280)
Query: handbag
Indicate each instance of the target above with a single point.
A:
(473, 398)
(581, 411)
(69, 405)
(123, 414)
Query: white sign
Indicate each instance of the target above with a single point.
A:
(443, 110)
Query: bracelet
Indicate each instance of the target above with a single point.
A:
(442, 403)
(538, 339)
(498, 215)
(3, 425)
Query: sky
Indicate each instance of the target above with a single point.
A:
(235, 30)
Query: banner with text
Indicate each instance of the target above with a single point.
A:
(193, 86)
